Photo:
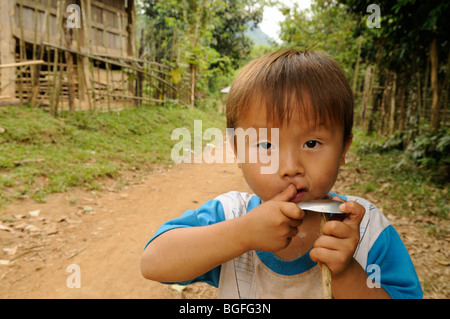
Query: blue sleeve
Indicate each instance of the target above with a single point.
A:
(396, 270)
(209, 213)
(340, 196)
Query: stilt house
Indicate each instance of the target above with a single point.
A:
(67, 54)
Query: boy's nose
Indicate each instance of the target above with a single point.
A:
(290, 165)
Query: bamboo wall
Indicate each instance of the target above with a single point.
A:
(44, 62)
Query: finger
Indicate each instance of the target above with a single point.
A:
(292, 232)
(287, 194)
(292, 211)
(335, 244)
(339, 217)
(338, 199)
(319, 254)
(328, 242)
(355, 212)
(295, 222)
(324, 255)
(336, 228)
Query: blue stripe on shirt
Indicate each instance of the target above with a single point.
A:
(397, 274)
(209, 213)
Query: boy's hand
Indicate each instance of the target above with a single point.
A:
(338, 243)
(272, 224)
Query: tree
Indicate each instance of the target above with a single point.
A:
(198, 37)
(412, 40)
(228, 35)
(325, 27)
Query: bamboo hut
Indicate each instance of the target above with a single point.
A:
(69, 54)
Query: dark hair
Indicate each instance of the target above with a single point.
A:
(282, 81)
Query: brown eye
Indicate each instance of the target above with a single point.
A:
(311, 144)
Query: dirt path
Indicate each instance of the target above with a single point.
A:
(104, 234)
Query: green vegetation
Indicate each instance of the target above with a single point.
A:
(40, 154)
(392, 176)
(399, 74)
(203, 41)
(428, 152)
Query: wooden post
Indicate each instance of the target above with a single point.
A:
(132, 39)
(107, 66)
(35, 69)
(22, 52)
(384, 102)
(83, 93)
(355, 74)
(374, 98)
(40, 53)
(54, 101)
(70, 69)
(412, 116)
(419, 96)
(425, 94)
(86, 8)
(393, 105)
(434, 123)
(8, 49)
(445, 90)
(366, 95)
(139, 75)
(119, 17)
(402, 97)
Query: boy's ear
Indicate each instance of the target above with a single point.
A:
(347, 145)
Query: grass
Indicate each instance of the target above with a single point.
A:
(406, 188)
(82, 149)
(40, 154)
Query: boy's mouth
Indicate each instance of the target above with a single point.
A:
(301, 192)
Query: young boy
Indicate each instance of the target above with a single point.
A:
(263, 245)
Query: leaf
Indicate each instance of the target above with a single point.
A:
(442, 262)
(176, 75)
(34, 213)
(4, 262)
(5, 228)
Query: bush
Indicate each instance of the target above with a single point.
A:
(429, 151)
(396, 142)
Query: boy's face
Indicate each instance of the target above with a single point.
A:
(309, 156)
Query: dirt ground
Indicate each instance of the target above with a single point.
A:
(104, 233)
